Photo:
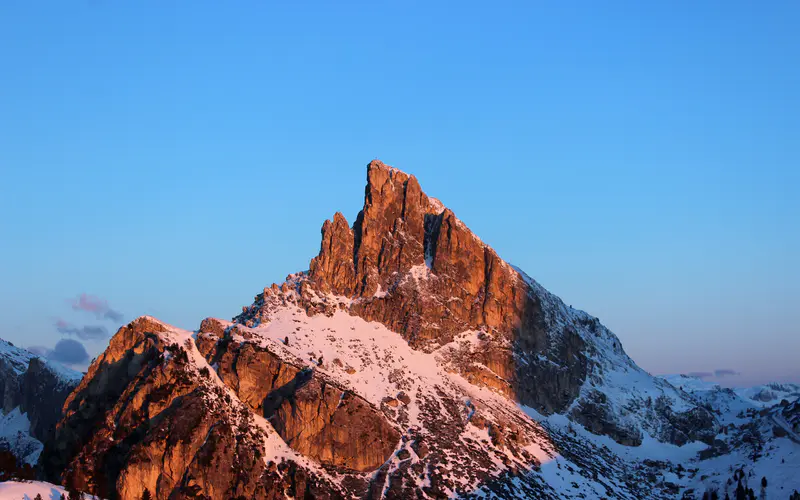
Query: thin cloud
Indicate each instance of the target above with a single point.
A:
(97, 306)
(719, 373)
(87, 332)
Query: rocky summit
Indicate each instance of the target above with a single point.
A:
(409, 361)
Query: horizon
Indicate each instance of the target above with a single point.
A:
(155, 167)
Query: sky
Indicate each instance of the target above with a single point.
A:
(639, 159)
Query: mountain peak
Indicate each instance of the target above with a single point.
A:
(410, 264)
(385, 181)
(392, 233)
(377, 164)
(409, 357)
(398, 230)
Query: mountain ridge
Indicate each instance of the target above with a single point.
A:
(409, 360)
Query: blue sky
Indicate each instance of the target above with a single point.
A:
(640, 159)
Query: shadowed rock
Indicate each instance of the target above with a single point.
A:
(313, 415)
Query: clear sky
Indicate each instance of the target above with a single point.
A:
(639, 159)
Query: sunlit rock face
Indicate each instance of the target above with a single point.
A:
(149, 415)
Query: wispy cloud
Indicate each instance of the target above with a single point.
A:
(87, 332)
(66, 351)
(97, 306)
(718, 373)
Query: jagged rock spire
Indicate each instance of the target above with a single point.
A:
(389, 235)
(402, 233)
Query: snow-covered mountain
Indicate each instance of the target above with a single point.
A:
(409, 361)
(770, 394)
(756, 440)
(32, 390)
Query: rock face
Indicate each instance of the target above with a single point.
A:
(13, 364)
(145, 417)
(35, 390)
(332, 425)
(791, 414)
(401, 235)
(312, 414)
(43, 392)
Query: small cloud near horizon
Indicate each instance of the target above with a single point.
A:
(97, 306)
(66, 351)
(87, 332)
(718, 373)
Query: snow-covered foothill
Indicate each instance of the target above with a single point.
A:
(27, 490)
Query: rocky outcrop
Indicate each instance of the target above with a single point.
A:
(43, 392)
(332, 425)
(9, 387)
(146, 417)
(594, 413)
(314, 415)
(790, 412)
(694, 424)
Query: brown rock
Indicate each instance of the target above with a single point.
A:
(402, 396)
(334, 266)
(313, 415)
(331, 425)
(144, 418)
(251, 371)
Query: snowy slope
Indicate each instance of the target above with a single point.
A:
(376, 363)
(769, 394)
(276, 448)
(635, 401)
(16, 357)
(748, 441)
(15, 435)
(27, 490)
